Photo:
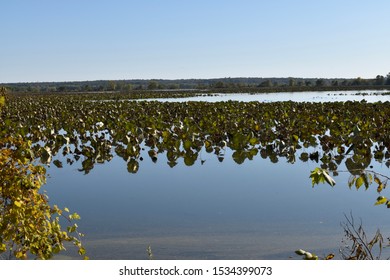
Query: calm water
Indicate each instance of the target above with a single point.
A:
(256, 210)
(310, 96)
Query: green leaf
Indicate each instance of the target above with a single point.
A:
(74, 216)
(187, 144)
(72, 228)
(253, 141)
(359, 182)
(315, 176)
(319, 175)
(57, 163)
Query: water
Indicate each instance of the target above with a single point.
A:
(256, 210)
(309, 96)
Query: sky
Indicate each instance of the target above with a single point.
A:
(78, 40)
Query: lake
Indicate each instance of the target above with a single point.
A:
(212, 209)
(309, 96)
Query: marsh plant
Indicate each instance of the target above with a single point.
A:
(59, 129)
(356, 245)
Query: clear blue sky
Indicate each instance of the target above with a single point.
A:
(48, 40)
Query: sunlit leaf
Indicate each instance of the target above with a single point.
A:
(329, 257)
(328, 178)
(381, 200)
(359, 182)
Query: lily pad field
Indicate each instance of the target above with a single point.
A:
(207, 180)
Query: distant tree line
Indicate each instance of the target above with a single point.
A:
(193, 84)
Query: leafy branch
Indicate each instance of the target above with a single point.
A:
(29, 226)
(358, 178)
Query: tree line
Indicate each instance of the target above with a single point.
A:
(195, 84)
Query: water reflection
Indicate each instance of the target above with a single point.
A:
(225, 196)
(212, 211)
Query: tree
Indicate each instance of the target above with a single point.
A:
(379, 80)
(320, 83)
(28, 224)
(219, 84)
(388, 79)
(127, 87)
(359, 81)
(266, 83)
(111, 86)
(87, 87)
(153, 85)
(173, 86)
(60, 88)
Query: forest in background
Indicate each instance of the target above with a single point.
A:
(220, 84)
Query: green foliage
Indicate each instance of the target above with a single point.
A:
(92, 128)
(358, 178)
(352, 132)
(230, 84)
(320, 175)
(29, 226)
(3, 94)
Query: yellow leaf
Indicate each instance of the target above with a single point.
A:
(381, 200)
(17, 203)
(3, 247)
(329, 257)
(20, 255)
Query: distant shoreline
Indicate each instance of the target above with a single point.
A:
(221, 85)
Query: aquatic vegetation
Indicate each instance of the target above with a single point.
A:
(351, 134)
(69, 128)
(356, 245)
(60, 120)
